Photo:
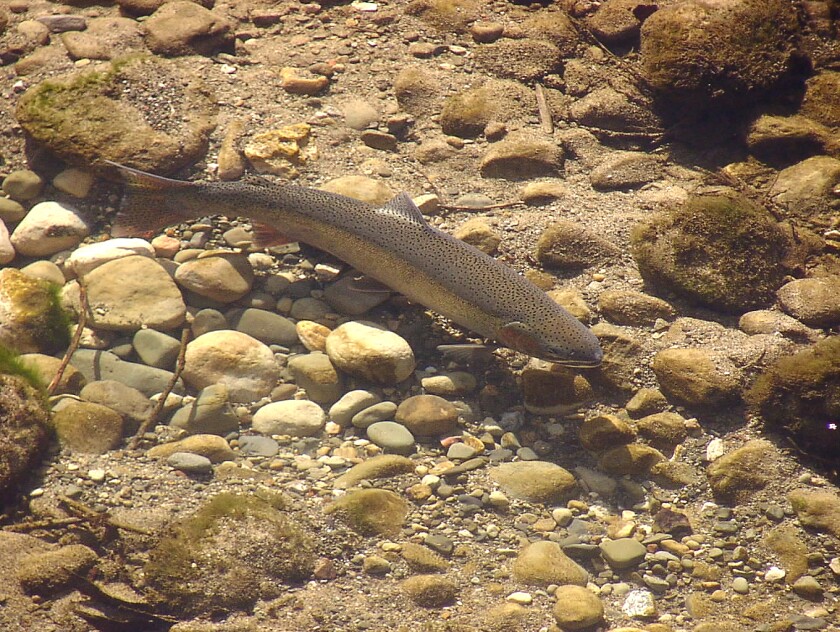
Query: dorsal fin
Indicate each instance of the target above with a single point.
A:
(405, 207)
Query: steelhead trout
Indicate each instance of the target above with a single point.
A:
(392, 244)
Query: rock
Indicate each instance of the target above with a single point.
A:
(569, 245)
(255, 445)
(213, 447)
(551, 389)
(663, 431)
(467, 114)
(314, 373)
(371, 511)
(74, 182)
(371, 352)
(605, 431)
(210, 413)
(352, 402)
(57, 570)
(542, 563)
(817, 508)
(477, 232)
(265, 326)
(423, 559)
(639, 604)
(621, 356)
(375, 139)
(190, 463)
(124, 131)
(572, 301)
(646, 401)
(806, 188)
(294, 417)
(391, 437)
(104, 38)
(449, 384)
(607, 110)
(521, 157)
(281, 151)
(44, 270)
(156, 349)
(23, 185)
(486, 32)
(382, 466)
(808, 587)
(633, 459)
(11, 212)
(695, 377)
(48, 228)
(45, 367)
(789, 548)
(293, 83)
(242, 363)
(313, 335)
(784, 140)
(223, 277)
(187, 28)
(23, 431)
(626, 170)
(84, 259)
(231, 162)
(87, 427)
(134, 406)
(594, 481)
(772, 322)
(103, 365)
(627, 307)
(719, 250)
(345, 297)
(622, 553)
(618, 22)
(359, 114)
(133, 292)
(31, 317)
(542, 192)
(309, 308)
(433, 151)
(819, 102)
(360, 188)
(427, 415)
(535, 481)
(417, 90)
(742, 471)
(812, 301)
(576, 608)
(237, 548)
(798, 395)
(694, 51)
(383, 411)
(430, 591)
(524, 60)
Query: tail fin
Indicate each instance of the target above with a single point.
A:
(147, 204)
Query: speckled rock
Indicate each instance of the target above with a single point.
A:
(566, 244)
(626, 170)
(223, 277)
(743, 470)
(213, 447)
(48, 228)
(696, 377)
(210, 413)
(297, 418)
(87, 427)
(131, 292)
(24, 433)
(812, 301)
(427, 415)
(369, 351)
(535, 481)
(577, 608)
(788, 544)
(542, 563)
(627, 307)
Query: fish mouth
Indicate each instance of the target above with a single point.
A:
(593, 361)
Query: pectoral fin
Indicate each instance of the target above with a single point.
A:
(266, 236)
(519, 337)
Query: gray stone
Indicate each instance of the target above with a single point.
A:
(103, 365)
(208, 320)
(350, 403)
(391, 437)
(623, 553)
(156, 349)
(255, 445)
(265, 326)
(23, 185)
(190, 463)
(48, 228)
(134, 406)
(210, 413)
(383, 411)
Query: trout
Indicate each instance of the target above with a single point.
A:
(393, 244)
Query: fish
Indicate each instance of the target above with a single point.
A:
(392, 243)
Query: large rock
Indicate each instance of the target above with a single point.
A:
(817, 508)
(371, 352)
(187, 28)
(695, 50)
(223, 277)
(521, 157)
(535, 481)
(128, 293)
(242, 363)
(23, 432)
(31, 318)
(88, 427)
(104, 365)
(543, 563)
(696, 377)
(371, 511)
(742, 471)
(568, 245)
(577, 608)
(813, 301)
(48, 228)
(427, 415)
(115, 115)
(719, 250)
(467, 113)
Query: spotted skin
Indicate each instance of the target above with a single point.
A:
(393, 244)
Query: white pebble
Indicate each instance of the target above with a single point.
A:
(96, 475)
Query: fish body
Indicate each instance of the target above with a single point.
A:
(393, 244)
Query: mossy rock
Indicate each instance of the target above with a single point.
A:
(31, 317)
(719, 250)
(88, 117)
(799, 395)
(233, 551)
(23, 432)
(467, 113)
(447, 16)
(371, 511)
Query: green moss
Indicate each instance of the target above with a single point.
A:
(466, 114)
(224, 555)
(799, 395)
(11, 364)
(371, 511)
(718, 250)
(40, 321)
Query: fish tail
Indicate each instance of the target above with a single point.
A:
(148, 203)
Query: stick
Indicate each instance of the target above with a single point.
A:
(179, 367)
(454, 207)
(74, 343)
(546, 119)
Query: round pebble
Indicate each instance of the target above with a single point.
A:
(298, 418)
(391, 436)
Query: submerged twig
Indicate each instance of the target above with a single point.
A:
(475, 209)
(546, 119)
(179, 367)
(74, 342)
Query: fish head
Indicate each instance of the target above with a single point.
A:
(568, 342)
